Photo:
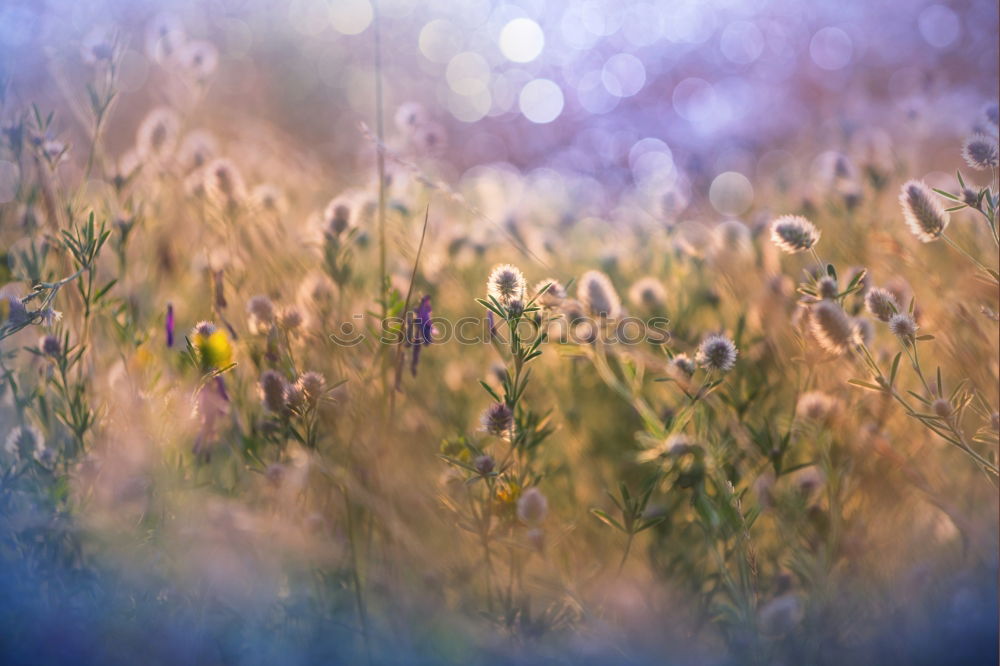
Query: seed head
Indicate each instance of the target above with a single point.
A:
(337, 216)
(199, 60)
(269, 198)
(922, 211)
(497, 419)
(598, 296)
(262, 308)
(647, 292)
(553, 296)
(865, 330)
(717, 352)
(881, 303)
(506, 284)
(794, 233)
(827, 288)
(682, 366)
(50, 346)
(197, 148)
(980, 152)
(815, 406)
(903, 327)
(532, 507)
(295, 397)
(732, 236)
(223, 182)
(272, 391)
(484, 465)
(832, 328)
(409, 116)
(941, 407)
(290, 318)
(164, 37)
(157, 135)
(313, 384)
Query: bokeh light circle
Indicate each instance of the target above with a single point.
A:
(731, 193)
(831, 48)
(541, 101)
(522, 40)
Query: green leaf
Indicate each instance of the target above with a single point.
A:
(865, 385)
(606, 519)
(895, 368)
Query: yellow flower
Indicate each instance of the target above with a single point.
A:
(214, 350)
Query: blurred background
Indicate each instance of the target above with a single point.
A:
(658, 96)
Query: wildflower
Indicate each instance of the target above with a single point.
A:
(223, 182)
(295, 397)
(313, 385)
(429, 139)
(506, 284)
(647, 292)
(98, 46)
(794, 233)
(881, 303)
(903, 327)
(532, 507)
(169, 325)
(157, 135)
(827, 288)
(922, 211)
(864, 329)
(553, 296)
(272, 390)
(981, 152)
(290, 318)
(50, 346)
(832, 328)
(261, 311)
(164, 37)
(682, 366)
(484, 465)
(197, 148)
(199, 59)
(815, 406)
(941, 407)
(598, 296)
(970, 197)
(497, 419)
(409, 116)
(337, 216)
(717, 352)
(212, 346)
(49, 316)
(421, 331)
(732, 236)
(12, 310)
(269, 198)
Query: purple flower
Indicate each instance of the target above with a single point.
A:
(170, 325)
(421, 330)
